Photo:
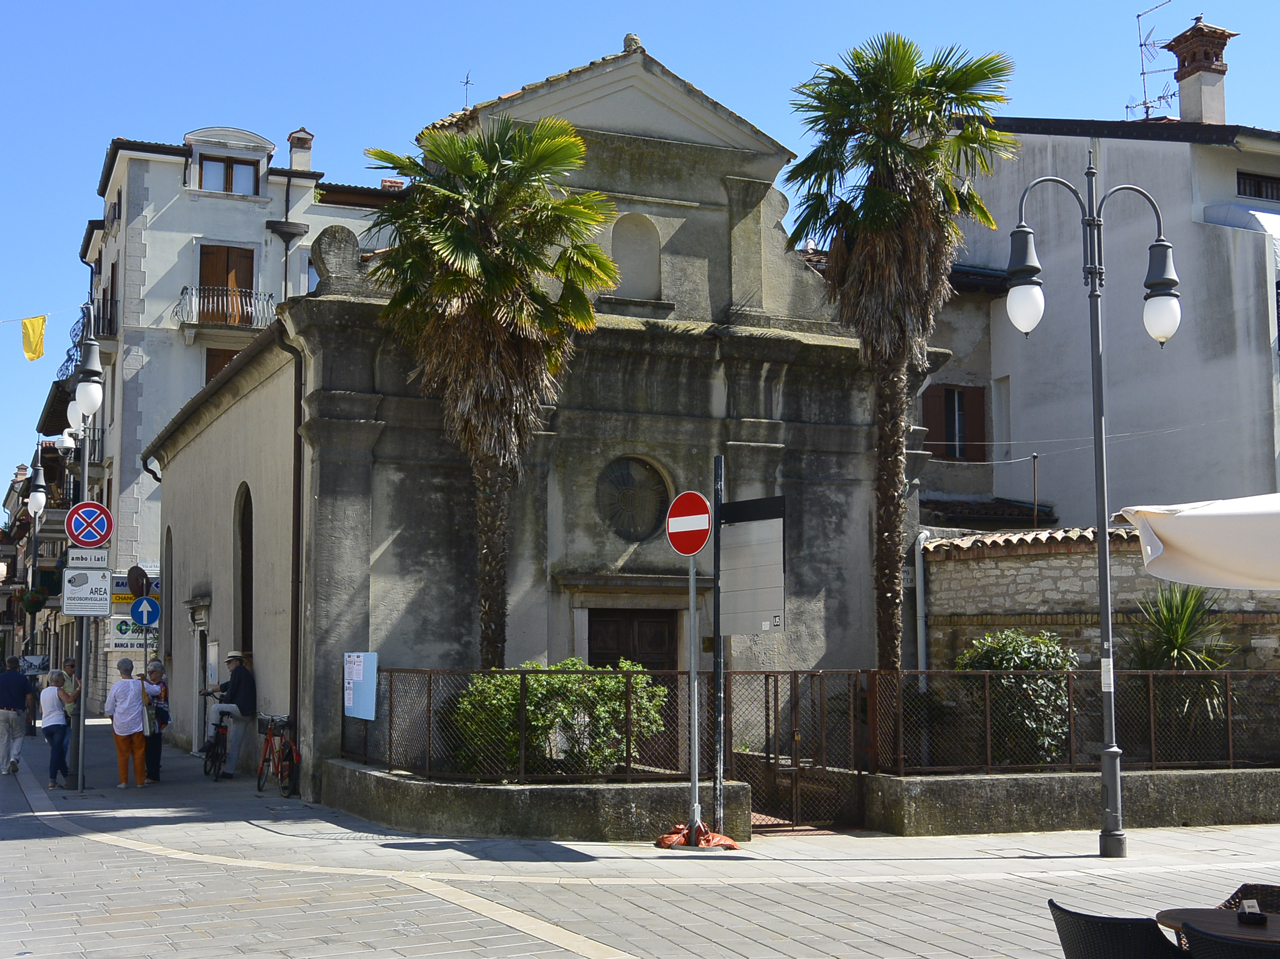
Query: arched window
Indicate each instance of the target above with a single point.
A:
(636, 251)
(244, 570)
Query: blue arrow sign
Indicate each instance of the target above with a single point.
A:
(145, 611)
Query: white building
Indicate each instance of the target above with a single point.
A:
(197, 244)
(1193, 421)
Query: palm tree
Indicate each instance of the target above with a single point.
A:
(489, 267)
(899, 142)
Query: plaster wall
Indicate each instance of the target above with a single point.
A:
(1190, 422)
(242, 438)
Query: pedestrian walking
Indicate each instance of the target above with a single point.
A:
(53, 720)
(238, 701)
(127, 706)
(17, 702)
(72, 688)
(158, 714)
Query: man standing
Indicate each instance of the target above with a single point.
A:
(72, 687)
(239, 702)
(17, 702)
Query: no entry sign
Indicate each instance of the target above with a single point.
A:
(689, 523)
(89, 525)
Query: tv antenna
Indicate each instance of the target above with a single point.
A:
(467, 84)
(1148, 51)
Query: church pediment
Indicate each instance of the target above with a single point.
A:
(633, 94)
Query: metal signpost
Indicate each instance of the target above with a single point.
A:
(688, 529)
(86, 590)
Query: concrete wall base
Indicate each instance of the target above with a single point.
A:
(951, 805)
(592, 812)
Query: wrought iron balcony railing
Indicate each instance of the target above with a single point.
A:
(224, 305)
(97, 440)
(105, 322)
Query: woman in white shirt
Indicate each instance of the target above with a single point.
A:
(54, 724)
(127, 708)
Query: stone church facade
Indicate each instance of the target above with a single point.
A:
(717, 341)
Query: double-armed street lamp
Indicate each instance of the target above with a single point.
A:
(37, 500)
(1161, 315)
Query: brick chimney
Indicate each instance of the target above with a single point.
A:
(300, 149)
(1201, 72)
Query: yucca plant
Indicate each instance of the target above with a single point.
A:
(1177, 629)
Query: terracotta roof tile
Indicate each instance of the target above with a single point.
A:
(1076, 534)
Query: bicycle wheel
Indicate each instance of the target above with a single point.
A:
(288, 770)
(264, 765)
(208, 762)
(219, 752)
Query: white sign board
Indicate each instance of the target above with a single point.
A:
(80, 558)
(359, 684)
(752, 590)
(86, 592)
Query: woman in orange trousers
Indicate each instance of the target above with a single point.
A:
(127, 706)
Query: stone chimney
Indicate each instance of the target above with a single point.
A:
(300, 149)
(1201, 72)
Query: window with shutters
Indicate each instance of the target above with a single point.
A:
(215, 361)
(226, 175)
(226, 284)
(956, 419)
(1258, 186)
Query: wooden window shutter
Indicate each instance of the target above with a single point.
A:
(933, 418)
(239, 269)
(213, 265)
(975, 424)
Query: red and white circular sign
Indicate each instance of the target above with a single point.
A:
(689, 523)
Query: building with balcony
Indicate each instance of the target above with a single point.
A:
(197, 243)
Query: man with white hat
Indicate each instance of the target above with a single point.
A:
(238, 702)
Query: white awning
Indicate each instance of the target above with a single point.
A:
(1226, 543)
(1241, 216)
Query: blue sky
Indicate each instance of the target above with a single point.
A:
(373, 73)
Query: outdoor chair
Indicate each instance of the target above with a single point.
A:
(1207, 945)
(1106, 937)
(1268, 897)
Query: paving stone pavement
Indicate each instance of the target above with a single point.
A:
(190, 868)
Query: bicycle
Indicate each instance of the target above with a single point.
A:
(216, 757)
(279, 754)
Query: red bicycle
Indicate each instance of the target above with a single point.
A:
(279, 754)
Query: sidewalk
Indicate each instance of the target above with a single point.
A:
(801, 896)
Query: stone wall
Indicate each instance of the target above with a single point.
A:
(1048, 580)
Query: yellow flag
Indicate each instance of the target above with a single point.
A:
(33, 337)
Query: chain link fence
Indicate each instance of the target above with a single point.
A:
(802, 740)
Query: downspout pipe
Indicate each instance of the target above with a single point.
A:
(295, 570)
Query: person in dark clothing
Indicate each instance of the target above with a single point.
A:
(17, 703)
(238, 702)
(158, 711)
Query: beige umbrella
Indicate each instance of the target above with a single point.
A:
(1226, 543)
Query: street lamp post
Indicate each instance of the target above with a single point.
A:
(37, 499)
(1161, 315)
(88, 400)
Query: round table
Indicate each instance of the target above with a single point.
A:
(1221, 922)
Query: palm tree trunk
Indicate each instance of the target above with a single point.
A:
(893, 401)
(493, 494)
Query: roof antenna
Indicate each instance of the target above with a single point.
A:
(1148, 50)
(467, 84)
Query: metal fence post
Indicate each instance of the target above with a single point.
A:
(822, 717)
(873, 721)
(431, 723)
(391, 717)
(728, 726)
(898, 732)
(795, 719)
(986, 713)
(630, 690)
(1071, 721)
(1231, 739)
(524, 700)
(1151, 716)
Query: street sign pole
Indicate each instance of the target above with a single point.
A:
(82, 704)
(695, 805)
(717, 663)
(688, 529)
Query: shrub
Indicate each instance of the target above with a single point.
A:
(575, 719)
(1029, 721)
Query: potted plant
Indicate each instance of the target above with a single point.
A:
(32, 600)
